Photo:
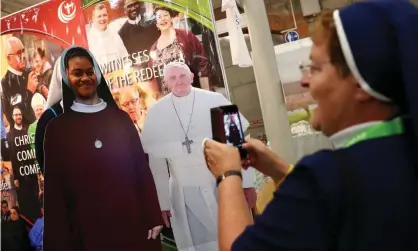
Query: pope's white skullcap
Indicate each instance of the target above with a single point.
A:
(38, 100)
(177, 65)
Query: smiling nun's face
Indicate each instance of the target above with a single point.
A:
(82, 77)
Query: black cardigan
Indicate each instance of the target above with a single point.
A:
(43, 122)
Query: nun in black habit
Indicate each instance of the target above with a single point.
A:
(95, 169)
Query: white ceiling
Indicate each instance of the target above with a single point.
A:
(11, 6)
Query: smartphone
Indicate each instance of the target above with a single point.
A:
(227, 127)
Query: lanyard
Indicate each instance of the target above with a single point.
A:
(383, 129)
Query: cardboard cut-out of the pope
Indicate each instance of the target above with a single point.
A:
(173, 131)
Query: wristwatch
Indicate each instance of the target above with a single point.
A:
(226, 174)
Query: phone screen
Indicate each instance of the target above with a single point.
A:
(227, 127)
(233, 131)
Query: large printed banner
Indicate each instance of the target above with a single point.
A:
(31, 41)
(133, 41)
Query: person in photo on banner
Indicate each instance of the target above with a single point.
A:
(38, 105)
(18, 84)
(134, 105)
(137, 34)
(363, 194)
(14, 232)
(25, 168)
(8, 188)
(5, 150)
(105, 45)
(173, 129)
(36, 233)
(84, 193)
(53, 108)
(5, 211)
(179, 45)
(42, 69)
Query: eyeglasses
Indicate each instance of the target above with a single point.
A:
(131, 102)
(308, 68)
(305, 66)
(18, 53)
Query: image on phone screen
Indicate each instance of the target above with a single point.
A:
(233, 131)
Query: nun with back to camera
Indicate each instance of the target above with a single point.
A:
(364, 194)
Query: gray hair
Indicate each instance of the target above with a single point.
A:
(177, 64)
(8, 44)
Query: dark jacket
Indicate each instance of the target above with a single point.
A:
(43, 122)
(14, 236)
(315, 209)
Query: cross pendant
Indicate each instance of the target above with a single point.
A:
(187, 143)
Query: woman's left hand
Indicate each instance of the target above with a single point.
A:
(221, 158)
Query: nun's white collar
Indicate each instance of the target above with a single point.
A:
(78, 107)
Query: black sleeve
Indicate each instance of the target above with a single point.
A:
(5, 150)
(6, 108)
(27, 111)
(46, 117)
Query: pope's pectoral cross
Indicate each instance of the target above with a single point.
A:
(187, 144)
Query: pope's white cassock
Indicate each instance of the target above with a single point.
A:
(106, 46)
(188, 190)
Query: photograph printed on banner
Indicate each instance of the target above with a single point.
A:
(26, 72)
(134, 40)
